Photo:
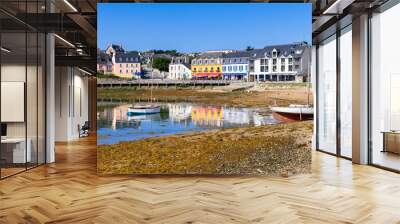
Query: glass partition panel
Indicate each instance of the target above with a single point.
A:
(14, 153)
(346, 92)
(385, 89)
(327, 95)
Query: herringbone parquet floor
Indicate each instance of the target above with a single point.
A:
(69, 191)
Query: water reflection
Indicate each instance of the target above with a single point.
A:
(115, 125)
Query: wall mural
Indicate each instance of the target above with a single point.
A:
(204, 98)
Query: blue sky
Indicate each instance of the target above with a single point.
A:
(200, 27)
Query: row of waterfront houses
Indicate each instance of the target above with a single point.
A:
(289, 62)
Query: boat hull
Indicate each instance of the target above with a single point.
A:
(287, 114)
(154, 110)
(288, 117)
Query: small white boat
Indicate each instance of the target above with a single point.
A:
(293, 112)
(144, 109)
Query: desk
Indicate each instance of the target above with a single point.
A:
(391, 141)
(15, 148)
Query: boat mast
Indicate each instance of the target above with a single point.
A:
(308, 81)
(151, 88)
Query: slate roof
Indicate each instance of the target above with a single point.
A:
(117, 48)
(210, 55)
(102, 57)
(237, 54)
(132, 57)
(295, 49)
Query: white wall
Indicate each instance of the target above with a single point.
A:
(71, 102)
(178, 71)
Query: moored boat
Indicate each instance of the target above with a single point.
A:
(294, 112)
(144, 109)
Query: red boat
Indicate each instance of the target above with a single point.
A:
(293, 112)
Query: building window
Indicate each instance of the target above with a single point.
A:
(229, 68)
(266, 68)
(262, 69)
(224, 69)
(235, 68)
(240, 67)
(274, 68)
(290, 68)
(274, 61)
(282, 68)
(282, 60)
(290, 60)
(296, 67)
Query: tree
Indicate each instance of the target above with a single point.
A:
(161, 64)
(249, 48)
(169, 52)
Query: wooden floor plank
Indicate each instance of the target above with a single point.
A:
(70, 191)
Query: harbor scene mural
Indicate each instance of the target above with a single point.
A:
(179, 103)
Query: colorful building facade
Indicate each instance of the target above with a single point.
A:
(235, 65)
(207, 66)
(127, 65)
(114, 60)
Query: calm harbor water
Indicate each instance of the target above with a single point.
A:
(115, 125)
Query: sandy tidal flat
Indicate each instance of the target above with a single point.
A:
(282, 149)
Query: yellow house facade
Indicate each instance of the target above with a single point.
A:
(207, 66)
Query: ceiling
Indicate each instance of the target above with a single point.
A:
(73, 21)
